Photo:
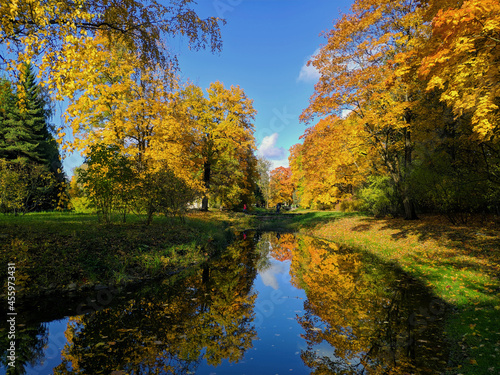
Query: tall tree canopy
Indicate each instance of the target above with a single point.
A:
(330, 162)
(357, 74)
(281, 186)
(223, 142)
(407, 93)
(461, 60)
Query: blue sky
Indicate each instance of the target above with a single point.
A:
(266, 44)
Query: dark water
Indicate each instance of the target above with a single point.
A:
(271, 304)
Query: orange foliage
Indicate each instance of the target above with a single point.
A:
(330, 162)
(282, 246)
(461, 60)
(281, 185)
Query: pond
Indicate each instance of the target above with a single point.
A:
(272, 303)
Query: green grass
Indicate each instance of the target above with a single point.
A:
(57, 251)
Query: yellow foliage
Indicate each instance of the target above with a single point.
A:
(461, 60)
(330, 163)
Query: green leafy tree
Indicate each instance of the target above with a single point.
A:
(162, 191)
(107, 176)
(24, 133)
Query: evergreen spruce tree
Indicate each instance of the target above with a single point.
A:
(7, 103)
(26, 123)
(26, 141)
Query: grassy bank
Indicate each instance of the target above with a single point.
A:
(460, 265)
(67, 251)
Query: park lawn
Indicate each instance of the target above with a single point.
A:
(68, 251)
(460, 265)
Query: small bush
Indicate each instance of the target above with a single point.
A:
(379, 197)
(351, 204)
(80, 205)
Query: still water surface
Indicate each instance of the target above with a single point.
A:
(271, 304)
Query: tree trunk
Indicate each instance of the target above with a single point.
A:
(150, 213)
(409, 207)
(206, 181)
(408, 204)
(204, 203)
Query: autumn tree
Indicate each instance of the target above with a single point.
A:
(298, 175)
(456, 66)
(330, 164)
(204, 143)
(223, 142)
(161, 191)
(263, 189)
(53, 33)
(357, 74)
(460, 61)
(281, 186)
(130, 108)
(103, 56)
(107, 178)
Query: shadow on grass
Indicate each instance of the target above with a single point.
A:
(473, 246)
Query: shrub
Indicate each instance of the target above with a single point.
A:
(351, 204)
(379, 196)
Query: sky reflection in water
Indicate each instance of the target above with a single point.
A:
(272, 304)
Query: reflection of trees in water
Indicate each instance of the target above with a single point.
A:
(374, 320)
(282, 246)
(277, 245)
(263, 247)
(31, 340)
(360, 317)
(171, 328)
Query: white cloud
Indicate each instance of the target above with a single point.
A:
(270, 276)
(269, 279)
(345, 113)
(309, 73)
(280, 163)
(269, 150)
